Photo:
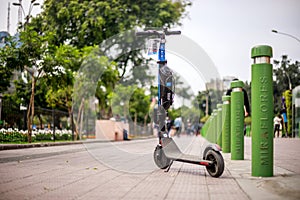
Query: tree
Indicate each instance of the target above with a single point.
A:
(65, 60)
(287, 76)
(200, 103)
(120, 100)
(181, 90)
(139, 106)
(7, 54)
(53, 46)
(92, 22)
(89, 22)
(27, 57)
(104, 90)
(215, 97)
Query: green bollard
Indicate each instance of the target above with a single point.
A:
(237, 121)
(219, 125)
(210, 131)
(211, 128)
(226, 124)
(248, 130)
(208, 128)
(262, 111)
(214, 126)
(203, 130)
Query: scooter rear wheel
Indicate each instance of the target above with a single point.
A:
(216, 169)
(160, 158)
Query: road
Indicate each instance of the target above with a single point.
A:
(125, 170)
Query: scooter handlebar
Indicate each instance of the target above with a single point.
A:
(154, 32)
(146, 33)
(172, 32)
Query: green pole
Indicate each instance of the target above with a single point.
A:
(203, 130)
(214, 133)
(262, 111)
(207, 128)
(211, 128)
(226, 124)
(219, 125)
(237, 121)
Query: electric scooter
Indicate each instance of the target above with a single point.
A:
(166, 152)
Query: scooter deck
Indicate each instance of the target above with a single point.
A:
(173, 152)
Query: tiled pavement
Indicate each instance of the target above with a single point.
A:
(125, 170)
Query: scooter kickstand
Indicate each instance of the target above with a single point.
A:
(167, 170)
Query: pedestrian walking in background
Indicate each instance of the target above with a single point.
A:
(246, 100)
(284, 123)
(178, 124)
(277, 122)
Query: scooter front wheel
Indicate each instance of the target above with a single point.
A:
(216, 169)
(160, 158)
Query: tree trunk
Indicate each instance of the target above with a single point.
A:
(80, 112)
(30, 112)
(135, 123)
(145, 123)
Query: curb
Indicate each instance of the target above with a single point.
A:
(49, 144)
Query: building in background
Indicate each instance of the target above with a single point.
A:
(3, 38)
(220, 84)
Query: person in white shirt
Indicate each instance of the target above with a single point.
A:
(277, 122)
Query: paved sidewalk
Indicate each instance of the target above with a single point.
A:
(285, 184)
(125, 170)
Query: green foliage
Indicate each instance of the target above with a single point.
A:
(192, 114)
(139, 105)
(65, 61)
(91, 22)
(215, 98)
(288, 102)
(247, 120)
(204, 119)
(41, 137)
(7, 64)
(60, 45)
(120, 99)
(174, 113)
(12, 136)
(105, 88)
(15, 136)
(286, 74)
(200, 102)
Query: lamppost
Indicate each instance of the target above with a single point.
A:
(289, 35)
(32, 3)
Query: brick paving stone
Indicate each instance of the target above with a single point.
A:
(127, 171)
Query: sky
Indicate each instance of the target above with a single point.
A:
(228, 29)
(225, 29)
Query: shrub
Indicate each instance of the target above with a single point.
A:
(18, 136)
